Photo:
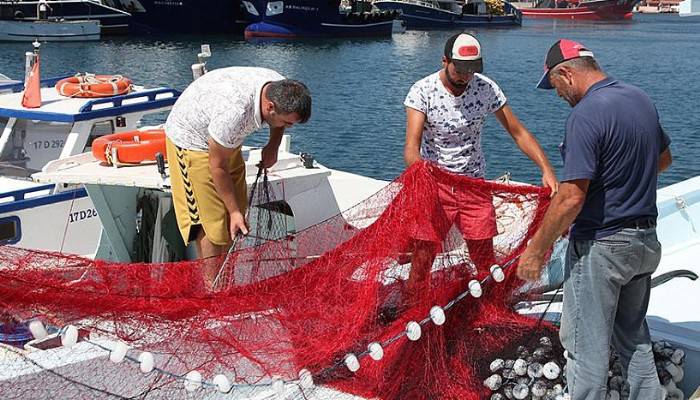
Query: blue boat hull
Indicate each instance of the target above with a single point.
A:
(191, 16)
(266, 29)
(302, 18)
(422, 17)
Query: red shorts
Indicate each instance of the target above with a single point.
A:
(469, 208)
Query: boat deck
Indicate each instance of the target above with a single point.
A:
(58, 108)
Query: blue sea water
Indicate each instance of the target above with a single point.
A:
(358, 86)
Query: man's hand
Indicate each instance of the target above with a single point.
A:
(530, 265)
(237, 223)
(268, 156)
(549, 180)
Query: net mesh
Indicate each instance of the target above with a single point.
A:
(287, 308)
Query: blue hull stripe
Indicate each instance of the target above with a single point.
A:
(34, 202)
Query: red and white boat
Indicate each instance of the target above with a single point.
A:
(593, 10)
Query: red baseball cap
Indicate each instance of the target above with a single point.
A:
(562, 50)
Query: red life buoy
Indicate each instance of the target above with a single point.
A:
(89, 85)
(131, 147)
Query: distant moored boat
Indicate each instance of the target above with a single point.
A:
(298, 18)
(594, 10)
(188, 16)
(449, 14)
(113, 18)
(49, 31)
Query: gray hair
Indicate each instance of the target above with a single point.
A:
(290, 96)
(580, 64)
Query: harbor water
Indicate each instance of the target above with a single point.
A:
(358, 85)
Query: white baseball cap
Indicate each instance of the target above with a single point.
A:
(464, 51)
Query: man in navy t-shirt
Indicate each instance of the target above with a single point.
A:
(613, 150)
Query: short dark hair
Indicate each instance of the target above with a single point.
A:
(290, 96)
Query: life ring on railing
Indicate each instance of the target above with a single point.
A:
(133, 147)
(89, 85)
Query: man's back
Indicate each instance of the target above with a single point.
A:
(222, 103)
(614, 139)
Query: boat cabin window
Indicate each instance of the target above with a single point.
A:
(33, 144)
(10, 231)
(100, 129)
(445, 6)
(471, 8)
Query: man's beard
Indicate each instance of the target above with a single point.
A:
(453, 83)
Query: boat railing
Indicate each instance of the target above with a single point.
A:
(430, 4)
(130, 103)
(22, 194)
(164, 96)
(36, 196)
(143, 100)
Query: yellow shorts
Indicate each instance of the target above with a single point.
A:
(195, 198)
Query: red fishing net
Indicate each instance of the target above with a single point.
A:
(339, 302)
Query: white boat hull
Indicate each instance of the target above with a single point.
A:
(674, 306)
(49, 31)
(35, 216)
(39, 218)
(689, 8)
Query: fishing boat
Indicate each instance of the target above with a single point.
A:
(40, 216)
(186, 16)
(452, 14)
(110, 19)
(593, 10)
(49, 31)
(298, 19)
(307, 190)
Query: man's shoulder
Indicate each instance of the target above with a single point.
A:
(612, 88)
(242, 73)
(427, 82)
(610, 98)
(483, 80)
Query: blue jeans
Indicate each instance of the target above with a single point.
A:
(606, 294)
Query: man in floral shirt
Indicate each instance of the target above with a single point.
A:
(445, 116)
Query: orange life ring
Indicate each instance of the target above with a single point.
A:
(131, 147)
(89, 85)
